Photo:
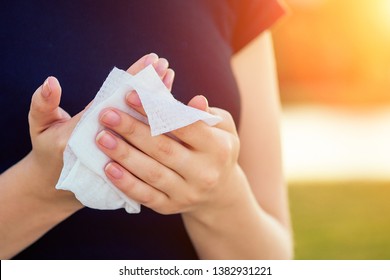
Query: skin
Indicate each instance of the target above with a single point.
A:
(236, 210)
(217, 195)
(31, 181)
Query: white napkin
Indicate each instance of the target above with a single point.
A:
(83, 170)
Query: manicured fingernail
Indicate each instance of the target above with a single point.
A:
(114, 171)
(152, 57)
(46, 90)
(111, 118)
(106, 140)
(168, 79)
(206, 101)
(162, 66)
(133, 99)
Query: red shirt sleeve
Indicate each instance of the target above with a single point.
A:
(254, 17)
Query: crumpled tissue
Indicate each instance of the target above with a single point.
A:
(83, 169)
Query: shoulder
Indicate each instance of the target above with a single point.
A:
(252, 18)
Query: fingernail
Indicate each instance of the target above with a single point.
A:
(114, 171)
(162, 66)
(133, 99)
(152, 57)
(46, 90)
(206, 101)
(168, 79)
(106, 140)
(110, 118)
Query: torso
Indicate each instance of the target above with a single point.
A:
(79, 42)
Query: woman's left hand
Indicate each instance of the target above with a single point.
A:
(167, 175)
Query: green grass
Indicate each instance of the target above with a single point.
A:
(341, 220)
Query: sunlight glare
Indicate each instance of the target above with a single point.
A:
(322, 143)
(308, 4)
(381, 15)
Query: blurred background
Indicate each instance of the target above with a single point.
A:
(333, 60)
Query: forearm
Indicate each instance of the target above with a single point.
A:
(238, 230)
(26, 212)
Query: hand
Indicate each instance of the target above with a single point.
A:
(195, 173)
(51, 127)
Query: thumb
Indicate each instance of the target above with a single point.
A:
(44, 108)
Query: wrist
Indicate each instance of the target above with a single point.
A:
(227, 200)
(43, 177)
(29, 206)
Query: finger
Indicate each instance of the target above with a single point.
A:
(136, 162)
(133, 100)
(142, 63)
(161, 67)
(200, 102)
(168, 79)
(160, 64)
(166, 75)
(46, 98)
(195, 135)
(227, 122)
(133, 187)
(161, 148)
(44, 108)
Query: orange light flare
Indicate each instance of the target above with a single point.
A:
(335, 52)
(381, 16)
(338, 50)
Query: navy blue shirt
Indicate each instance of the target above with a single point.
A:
(79, 42)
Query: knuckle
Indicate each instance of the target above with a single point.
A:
(182, 133)
(226, 116)
(193, 198)
(131, 127)
(154, 175)
(188, 132)
(128, 186)
(210, 178)
(225, 150)
(146, 198)
(123, 156)
(164, 148)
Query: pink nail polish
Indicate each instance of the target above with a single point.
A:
(110, 118)
(133, 99)
(168, 79)
(114, 171)
(152, 57)
(162, 66)
(106, 140)
(46, 91)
